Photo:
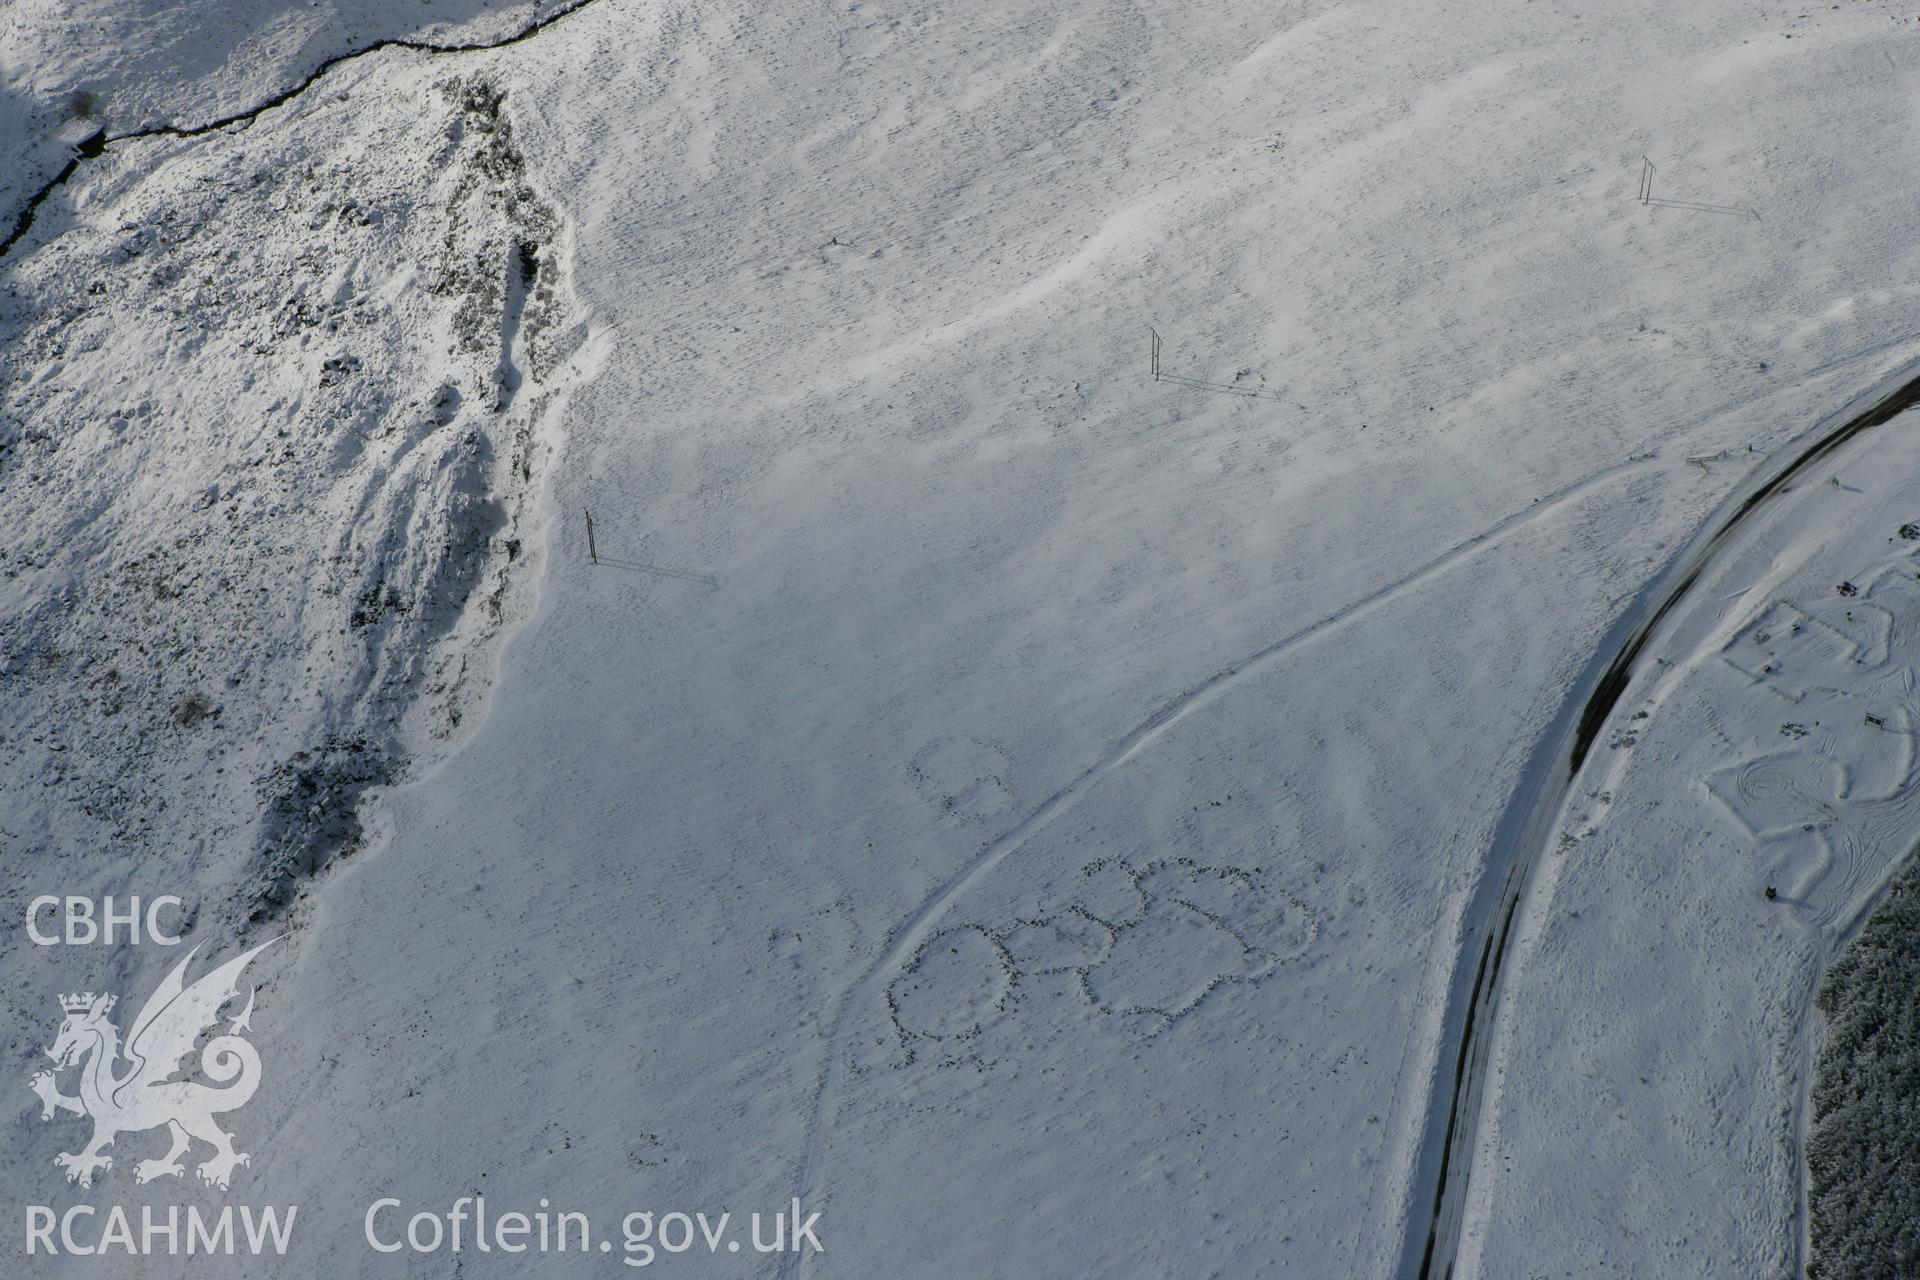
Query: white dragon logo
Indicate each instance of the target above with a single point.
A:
(147, 1095)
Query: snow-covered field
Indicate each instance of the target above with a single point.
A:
(1044, 818)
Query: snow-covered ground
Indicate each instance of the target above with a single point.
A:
(73, 68)
(1748, 800)
(1039, 815)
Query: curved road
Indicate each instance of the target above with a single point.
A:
(1445, 1164)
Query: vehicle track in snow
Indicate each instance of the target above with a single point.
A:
(1445, 1154)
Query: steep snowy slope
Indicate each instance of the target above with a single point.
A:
(276, 411)
(71, 67)
(1034, 813)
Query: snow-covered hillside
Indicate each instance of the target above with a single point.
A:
(1046, 818)
(270, 447)
(69, 68)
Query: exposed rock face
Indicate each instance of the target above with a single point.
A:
(221, 355)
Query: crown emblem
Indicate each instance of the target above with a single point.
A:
(152, 1092)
